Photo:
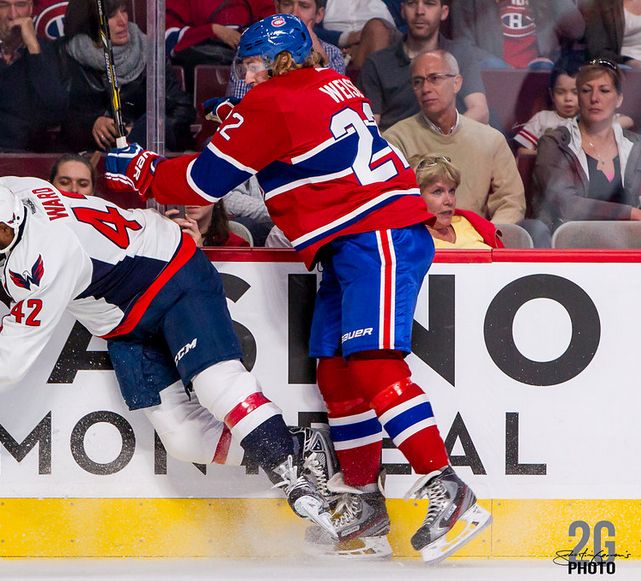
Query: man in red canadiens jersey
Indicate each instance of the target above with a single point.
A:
(348, 201)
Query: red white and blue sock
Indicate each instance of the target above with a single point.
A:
(406, 414)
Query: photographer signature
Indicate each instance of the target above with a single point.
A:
(565, 556)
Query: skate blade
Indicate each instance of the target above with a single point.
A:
(312, 509)
(475, 520)
(362, 548)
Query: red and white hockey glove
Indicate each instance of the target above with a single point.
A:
(218, 108)
(131, 168)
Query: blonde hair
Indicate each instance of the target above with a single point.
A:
(283, 63)
(431, 168)
(597, 67)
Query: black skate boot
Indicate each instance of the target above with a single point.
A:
(450, 499)
(361, 521)
(302, 495)
(313, 449)
(359, 514)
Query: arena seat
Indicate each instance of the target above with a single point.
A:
(631, 105)
(513, 96)
(525, 164)
(139, 13)
(27, 164)
(180, 75)
(598, 234)
(513, 236)
(242, 231)
(209, 81)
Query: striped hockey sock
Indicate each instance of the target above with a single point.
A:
(259, 425)
(354, 427)
(358, 441)
(405, 412)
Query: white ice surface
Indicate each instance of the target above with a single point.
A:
(293, 569)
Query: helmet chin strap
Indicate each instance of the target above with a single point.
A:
(4, 252)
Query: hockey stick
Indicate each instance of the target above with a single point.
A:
(116, 106)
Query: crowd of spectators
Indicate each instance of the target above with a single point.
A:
(494, 188)
(518, 33)
(419, 62)
(385, 76)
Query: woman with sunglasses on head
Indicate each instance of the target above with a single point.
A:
(587, 169)
(438, 179)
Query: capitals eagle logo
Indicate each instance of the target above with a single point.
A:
(26, 279)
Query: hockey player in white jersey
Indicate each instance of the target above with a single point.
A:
(133, 278)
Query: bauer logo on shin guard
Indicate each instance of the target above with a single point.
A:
(356, 333)
(186, 349)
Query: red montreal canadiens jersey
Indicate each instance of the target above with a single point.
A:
(83, 255)
(310, 138)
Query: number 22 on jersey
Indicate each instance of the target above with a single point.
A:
(347, 122)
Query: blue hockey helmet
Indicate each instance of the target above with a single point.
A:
(270, 36)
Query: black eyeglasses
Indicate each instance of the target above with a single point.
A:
(433, 79)
(603, 63)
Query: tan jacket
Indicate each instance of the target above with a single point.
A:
(490, 182)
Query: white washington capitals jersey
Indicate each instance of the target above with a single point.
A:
(84, 255)
(310, 138)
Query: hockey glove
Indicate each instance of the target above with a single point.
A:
(131, 168)
(219, 108)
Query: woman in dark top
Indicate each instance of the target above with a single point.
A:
(89, 124)
(613, 30)
(590, 168)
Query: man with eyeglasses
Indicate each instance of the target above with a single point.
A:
(385, 74)
(490, 182)
(31, 93)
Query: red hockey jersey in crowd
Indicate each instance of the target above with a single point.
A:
(188, 22)
(49, 18)
(310, 138)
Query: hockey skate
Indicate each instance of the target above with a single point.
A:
(361, 521)
(450, 501)
(313, 449)
(303, 496)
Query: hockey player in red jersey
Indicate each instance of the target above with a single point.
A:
(347, 200)
(132, 277)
